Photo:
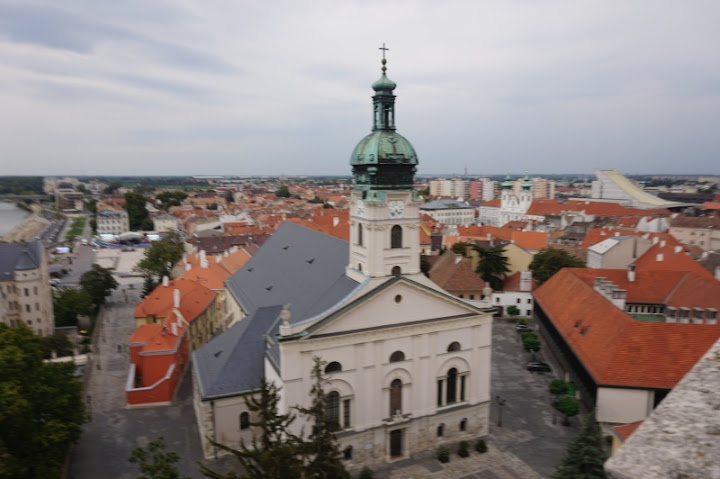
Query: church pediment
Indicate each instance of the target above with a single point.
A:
(396, 302)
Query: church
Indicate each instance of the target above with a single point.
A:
(407, 364)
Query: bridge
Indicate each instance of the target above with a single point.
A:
(28, 197)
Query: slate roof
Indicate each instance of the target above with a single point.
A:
(443, 204)
(296, 266)
(19, 256)
(233, 362)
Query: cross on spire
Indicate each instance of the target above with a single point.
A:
(384, 61)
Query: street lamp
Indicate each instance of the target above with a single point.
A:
(501, 402)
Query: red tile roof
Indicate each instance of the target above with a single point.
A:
(454, 273)
(665, 256)
(613, 347)
(625, 430)
(548, 207)
(194, 299)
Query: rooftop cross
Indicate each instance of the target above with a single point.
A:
(384, 61)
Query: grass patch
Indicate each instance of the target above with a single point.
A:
(76, 229)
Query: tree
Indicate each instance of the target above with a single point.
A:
(275, 453)
(161, 256)
(41, 407)
(315, 200)
(91, 205)
(568, 407)
(321, 446)
(460, 248)
(99, 283)
(156, 462)
(513, 310)
(137, 212)
(110, 189)
(531, 343)
(212, 206)
(69, 303)
(57, 342)
(558, 387)
(282, 192)
(493, 265)
(171, 198)
(549, 261)
(585, 454)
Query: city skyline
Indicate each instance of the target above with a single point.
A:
(94, 88)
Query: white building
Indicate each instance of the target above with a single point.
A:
(111, 221)
(408, 365)
(165, 222)
(450, 212)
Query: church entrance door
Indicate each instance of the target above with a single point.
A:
(396, 438)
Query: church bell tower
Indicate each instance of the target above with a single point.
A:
(384, 211)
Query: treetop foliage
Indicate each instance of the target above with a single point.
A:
(99, 283)
(549, 261)
(161, 256)
(41, 407)
(585, 454)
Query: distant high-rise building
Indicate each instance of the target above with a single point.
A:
(454, 187)
(483, 189)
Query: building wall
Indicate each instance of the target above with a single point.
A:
(28, 299)
(453, 216)
(116, 224)
(707, 239)
(523, 300)
(621, 405)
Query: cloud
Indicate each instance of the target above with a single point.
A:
(276, 87)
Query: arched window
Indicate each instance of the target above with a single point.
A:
(454, 346)
(333, 410)
(347, 453)
(441, 429)
(333, 367)
(360, 234)
(395, 397)
(397, 356)
(396, 237)
(451, 394)
(396, 271)
(244, 420)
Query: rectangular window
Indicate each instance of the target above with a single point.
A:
(27, 292)
(529, 301)
(27, 308)
(518, 301)
(439, 392)
(346, 413)
(462, 388)
(35, 290)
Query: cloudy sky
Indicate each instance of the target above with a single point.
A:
(275, 87)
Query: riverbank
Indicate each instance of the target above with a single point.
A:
(30, 228)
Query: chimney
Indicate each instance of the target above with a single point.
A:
(176, 298)
(204, 263)
(458, 258)
(663, 243)
(655, 240)
(617, 233)
(659, 257)
(218, 258)
(336, 221)
(188, 267)
(678, 249)
(166, 281)
(173, 326)
(631, 273)
(717, 272)
(285, 318)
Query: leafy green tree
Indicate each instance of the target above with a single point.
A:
(316, 200)
(212, 206)
(137, 212)
(148, 286)
(69, 303)
(275, 453)
(568, 407)
(282, 192)
(91, 205)
(99, 283)
(111, 188)
(171, 198)
(585, 454)
(460, 248)
(161, 256)
(558, 387)
(57, 342)
(549, 261)
(321, 447)
(531, 343)
(155, 462)
(513, 310)
(41, 407)
(493, 265)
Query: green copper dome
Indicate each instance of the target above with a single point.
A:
(508, 183)
(384, 160)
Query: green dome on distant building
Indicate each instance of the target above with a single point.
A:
(508, 183)
(384, 160)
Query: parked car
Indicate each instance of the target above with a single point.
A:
(523, 328)
(539, 366)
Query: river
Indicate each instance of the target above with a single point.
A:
(10, 216)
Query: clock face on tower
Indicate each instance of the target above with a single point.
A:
(396, 209)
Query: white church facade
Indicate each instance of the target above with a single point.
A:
(407, 365)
